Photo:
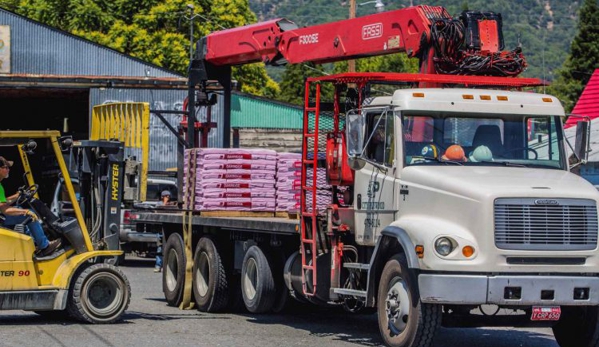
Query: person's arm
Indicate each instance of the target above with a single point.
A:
(11, 199)
(8, 210)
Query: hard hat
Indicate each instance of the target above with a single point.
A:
(165, 193)
(430, 151)
(455, 152)
(481, 153)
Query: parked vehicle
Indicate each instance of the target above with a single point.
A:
(141, 239)
(76, 279)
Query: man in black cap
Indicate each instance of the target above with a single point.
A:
(15, 215)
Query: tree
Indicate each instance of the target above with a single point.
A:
(294, 77)
(151, 30)
(583, 58)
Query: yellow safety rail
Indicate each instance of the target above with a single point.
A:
(128, 122)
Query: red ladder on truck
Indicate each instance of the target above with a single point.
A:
(309, 226)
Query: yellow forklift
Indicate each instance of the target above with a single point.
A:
(77, 280)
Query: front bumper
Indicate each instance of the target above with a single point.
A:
(509, 290)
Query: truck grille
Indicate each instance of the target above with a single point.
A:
(546, 224)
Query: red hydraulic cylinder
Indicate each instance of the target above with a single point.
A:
(248, 44)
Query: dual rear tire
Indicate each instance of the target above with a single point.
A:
(210, 283)
(257, 281)
(215, 285)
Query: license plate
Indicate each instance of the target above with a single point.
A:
(546, 313)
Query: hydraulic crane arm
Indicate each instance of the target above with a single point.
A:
(280, 41)
(469, 45)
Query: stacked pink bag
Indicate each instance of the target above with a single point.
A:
(233, 179)
(324, 195)
(289, 171)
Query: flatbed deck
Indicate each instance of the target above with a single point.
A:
(268, 224)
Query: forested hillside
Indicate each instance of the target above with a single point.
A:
(545, 28)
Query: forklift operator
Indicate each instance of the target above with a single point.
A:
(17, 215)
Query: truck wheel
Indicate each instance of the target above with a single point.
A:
(210, 286)
(236, 303)
(99, 294)
(282, 297)
(403, 319)
(577, 327)
(257, 282)
(173, 274)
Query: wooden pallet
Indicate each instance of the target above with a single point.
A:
(254, 214)
(288, 215)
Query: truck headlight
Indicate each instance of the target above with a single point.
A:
(444, 246)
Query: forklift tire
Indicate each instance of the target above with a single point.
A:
(257, 282)
(99, 294)
(210, 286)
(173, 274)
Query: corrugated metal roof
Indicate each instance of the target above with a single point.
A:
(588, 104)
(39, 49)
(248, 111)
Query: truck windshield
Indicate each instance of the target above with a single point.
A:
(475, 139)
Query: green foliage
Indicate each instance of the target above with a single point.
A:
(254, 80)
(390, 63)
(155, 31)
(583, 59)
(293, 82)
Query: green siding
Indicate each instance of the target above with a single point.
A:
(255, 112)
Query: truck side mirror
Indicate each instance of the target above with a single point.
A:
(581, 144)
(354, 134)
(355, 140)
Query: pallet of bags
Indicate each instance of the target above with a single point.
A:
(324, 195)
(231, 180)
(289, 175)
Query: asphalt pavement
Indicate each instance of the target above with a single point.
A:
(149, 322)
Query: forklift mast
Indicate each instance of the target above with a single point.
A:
(107, 180)
(100, 170)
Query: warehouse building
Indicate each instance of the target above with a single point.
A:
(50, 79)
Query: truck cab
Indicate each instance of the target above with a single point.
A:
(473, 188)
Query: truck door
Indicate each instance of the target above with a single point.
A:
(375, 184)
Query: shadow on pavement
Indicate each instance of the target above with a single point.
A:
(30, 318)
(363, 330)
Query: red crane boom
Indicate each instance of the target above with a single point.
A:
(468, 45)
(281, 41)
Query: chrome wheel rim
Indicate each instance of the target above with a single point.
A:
(397, 306)
(202, 277)
(250, 279)
(170, 272)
